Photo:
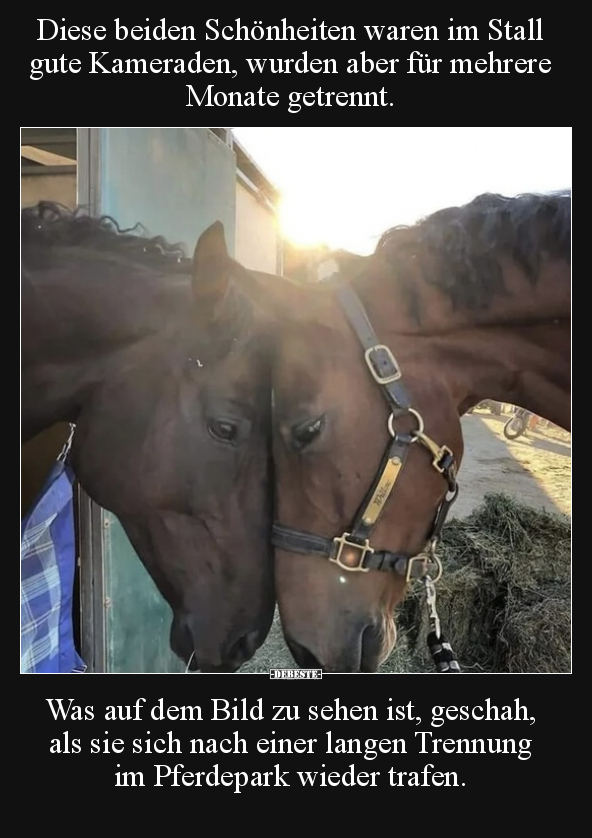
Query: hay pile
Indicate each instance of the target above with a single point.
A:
(504, 599)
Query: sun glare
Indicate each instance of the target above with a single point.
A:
(343, 187)
(299, 228)
(312, 223)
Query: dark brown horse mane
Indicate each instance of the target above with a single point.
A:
(459, 248)
(49, 224)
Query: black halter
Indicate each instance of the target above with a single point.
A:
(352, 551)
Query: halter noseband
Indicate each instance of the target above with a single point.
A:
(351, 551)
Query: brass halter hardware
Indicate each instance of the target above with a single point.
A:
(382, 379)
(352, 551)
(343, 543)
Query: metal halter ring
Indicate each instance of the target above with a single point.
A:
(417, 415)
(440, 570)
(427, 557)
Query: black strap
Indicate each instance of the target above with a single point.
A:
(382, 361)
(294, 541)
(443, 511)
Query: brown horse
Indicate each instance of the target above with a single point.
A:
(372, 371)
(154, 359)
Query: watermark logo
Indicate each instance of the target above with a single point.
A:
(295, 673)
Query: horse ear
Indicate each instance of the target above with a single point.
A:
(212, 268)
(214, 271)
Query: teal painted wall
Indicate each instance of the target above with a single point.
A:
(175, 181)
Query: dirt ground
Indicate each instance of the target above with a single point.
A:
(535, 468)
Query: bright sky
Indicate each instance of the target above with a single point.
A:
(345, 186)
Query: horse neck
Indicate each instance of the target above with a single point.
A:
(516, 350)
(71, 335)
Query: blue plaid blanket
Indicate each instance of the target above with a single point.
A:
(48, 557)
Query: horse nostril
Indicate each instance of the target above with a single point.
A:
(302, 656)
(252, 642)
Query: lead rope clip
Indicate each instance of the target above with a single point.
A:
(430, 591)
(440, 649)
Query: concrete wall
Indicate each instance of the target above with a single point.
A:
(174, 181)
(257, 238)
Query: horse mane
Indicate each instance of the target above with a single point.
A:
(48, 225)
(459, 248)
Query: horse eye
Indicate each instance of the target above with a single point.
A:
(223, 429)
(304, 433)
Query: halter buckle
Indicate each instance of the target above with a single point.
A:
(343, 542)
(382, 379)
